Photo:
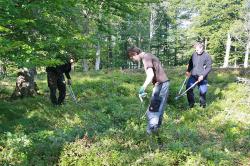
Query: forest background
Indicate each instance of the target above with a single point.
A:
(107, 126)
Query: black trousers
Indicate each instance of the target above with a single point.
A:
(56, 81)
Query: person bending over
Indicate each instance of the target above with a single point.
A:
(155, 74)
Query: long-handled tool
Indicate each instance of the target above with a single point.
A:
(72, 94)
(182, 86)
(141, 96)
(177, 97)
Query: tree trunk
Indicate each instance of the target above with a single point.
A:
(85, 31)
(73, 67)
(110, 52)
(3, 69)
(176, 47)
(151, 25)
(247, 54)
(98, 57)
(205, 44)
(139, 45)
(85, 65)
(228, 47)
(124, 47)
(25, 83)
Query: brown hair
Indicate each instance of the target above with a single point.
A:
(134, 49)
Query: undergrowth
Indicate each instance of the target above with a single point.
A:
(108, 126)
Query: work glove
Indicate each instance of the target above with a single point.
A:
(142, 90)
(69, 82)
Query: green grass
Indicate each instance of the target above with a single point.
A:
(108, 128)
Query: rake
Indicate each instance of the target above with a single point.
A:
(72, 94)
(177, 97)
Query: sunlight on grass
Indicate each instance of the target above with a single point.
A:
(108, 127)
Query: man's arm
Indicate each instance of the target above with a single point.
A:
(67, 69)
(67, 75)
(149, 78)
(190, 66)
(208, 66)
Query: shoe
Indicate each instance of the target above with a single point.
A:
(54, 104)
(160, 143)
(203, 105)
(191, 105)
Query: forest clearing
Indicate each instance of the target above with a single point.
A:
(109, 129)
(125, 82)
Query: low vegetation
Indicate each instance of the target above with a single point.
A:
(107, 127)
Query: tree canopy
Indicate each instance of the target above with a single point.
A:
(43, 33)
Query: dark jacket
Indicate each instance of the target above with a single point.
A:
(200, 64)
(65, 68)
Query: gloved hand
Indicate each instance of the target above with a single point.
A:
(188, 74)
(142, 90)
(69, 82)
